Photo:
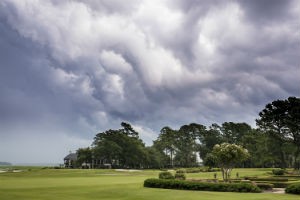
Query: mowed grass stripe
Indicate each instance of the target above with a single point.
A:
(98, 184)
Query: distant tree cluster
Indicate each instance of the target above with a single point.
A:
(274, 143)
(5, 164)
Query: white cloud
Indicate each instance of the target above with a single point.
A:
(146, 134)
(115, 63)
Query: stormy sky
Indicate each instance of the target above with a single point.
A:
(72, 68)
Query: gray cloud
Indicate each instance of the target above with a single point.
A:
(70, 69)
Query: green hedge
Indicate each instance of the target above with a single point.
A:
(181, 171)
(202, 186)
(278, 171)
(194, 170)
(200, 169)
(166, 175)
(265, 186)
(288, 176)
(293, 188)
(277, 179)
(276, 184)
(180, 176)
(280, 184)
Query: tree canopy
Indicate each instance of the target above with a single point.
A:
(275, 143)
(281, 121)
(227, 156)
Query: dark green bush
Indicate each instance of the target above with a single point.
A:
(166, 175)
(202, 186)
(180, 176)
(265, 186)
(293, 188)
(277, 179)
(280, 184)
(181, 171)
(289, 176)
(278, 171)
(201, 169)
(194, 170)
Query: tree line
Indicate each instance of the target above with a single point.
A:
(275, 142)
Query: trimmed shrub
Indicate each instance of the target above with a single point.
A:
(201, 186)
(201, 169)
(265, 186)
(166, 175)
(278, 171)
(293, 188)
(289, 176)
(194, 170)
(180, 176)
(181, 171)
(280, 184)
(277, 179)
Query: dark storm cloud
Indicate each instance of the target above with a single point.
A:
(72, 68)
(267, 11)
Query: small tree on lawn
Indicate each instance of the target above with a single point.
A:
(227, 156)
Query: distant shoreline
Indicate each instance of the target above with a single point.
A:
(5, 164)
(36, 164)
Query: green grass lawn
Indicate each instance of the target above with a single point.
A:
(62, 184)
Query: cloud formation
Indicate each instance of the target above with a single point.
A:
(70, 69)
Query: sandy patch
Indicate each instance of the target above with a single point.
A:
(276, 191)
(16, 171)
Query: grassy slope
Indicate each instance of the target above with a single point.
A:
(109, 184)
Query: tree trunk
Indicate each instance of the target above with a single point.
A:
(172, 158)
(297, 162)
(223, 175)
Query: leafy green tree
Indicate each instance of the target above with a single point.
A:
(166, 143)
(258, 144)
(187, 144)
(84, 155)
(120, 147)
(208, 139)
(154, 158)
(233, 132)
(227, 156)
(281, 120)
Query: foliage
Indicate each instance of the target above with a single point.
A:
(180, 146)
(166, 175)
(165, 143)
(281, 121)
(275, 144)
(227, 156)
(265, 186)
(202, 186)
(154, 159)
(280, 184)
(122, 148)
(233, 132)
(268, 179)
(84, 155)
(181, 171)
(180, 176)
(293, 188)
(278, 171)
